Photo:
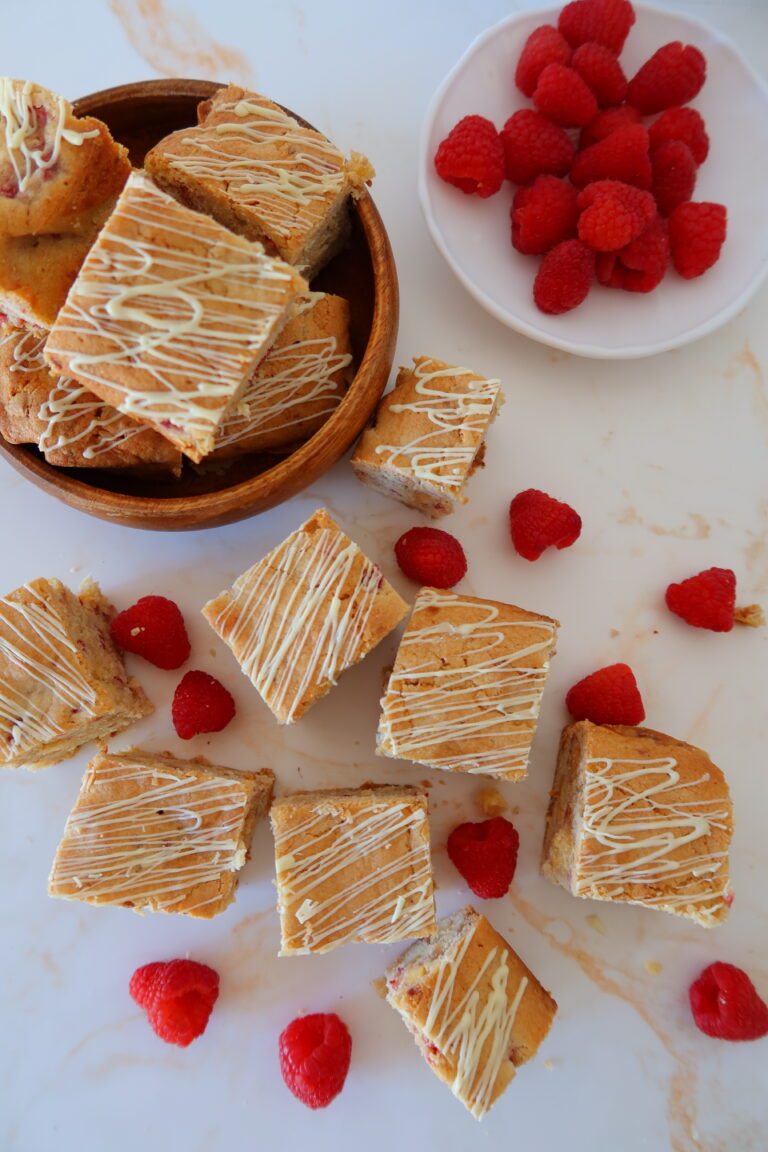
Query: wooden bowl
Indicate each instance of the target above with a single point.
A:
(364, 273)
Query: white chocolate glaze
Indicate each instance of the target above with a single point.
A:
(29, 148)
(478, 714)
(334, 901)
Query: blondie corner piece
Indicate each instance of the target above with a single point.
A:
(62, 680)
(465, 691)
(639, 817)
(475, 1010)
(170, 315)
(153, 833)
(352, 864)
(309, 610)
(428, 436)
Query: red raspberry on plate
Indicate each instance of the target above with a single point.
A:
(601, 72)
(622, 155)
(544, 46)
(613, 214)
(674, 75)
(684, 124)
(431, 556)
(178, 997)
(471, 157)
(485, 853)
(597, 21)
(642, 265)
(564, 277)
(543, 214)
(538, 521)
(606, 122)
(696, 235)
(315, 1053)
(608, 696)
(561, 95)
(153, 628)
(726, 1006)
(674, 175)
(707, 600)
(200, 704)
(534, 146)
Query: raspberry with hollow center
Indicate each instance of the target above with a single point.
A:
(604, 22)
(674, 75)
(564, 277)
(697, 232)
(200, 704)
(545, 45)
(543, 214)
(608, 696)
(538, 521)
(315, 1053)
(613, 214)
(726, 1006)
(707, 600)
(563, 96)
(154, 628)
(178, 997)
(431, 556)
(471, 157)
(485, 853)
(534, 146)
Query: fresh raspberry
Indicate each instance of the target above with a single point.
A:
(538, 521)
(471, 157)
(153, 628)
(200, 704)
(544, 46)
(725, 1004)
(696, 235)
(315, 1052)
(622, 155)
(598, 22)
(683, 124)
(608, 696)
(674, 75)
(178, 996)
(431, 556)
(564, 277)
(707, 600)
(485, 853)
(606, 122)
(601, 72)
(674, 175)
(534, 146)
(561, 95)
(543, 214)
(642, 265)
(613, 214)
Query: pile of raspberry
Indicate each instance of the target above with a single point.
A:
(603, 194)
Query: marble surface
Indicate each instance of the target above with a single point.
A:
(664, 458)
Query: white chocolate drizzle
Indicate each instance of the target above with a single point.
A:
(451, 421)
(636, 817)
(22, 132)
(336, 902)
(479, 714)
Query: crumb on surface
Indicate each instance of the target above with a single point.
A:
(653, 967)
(490, 802)
(595, 922)
(614, 633)
(379, 986)
(751, 616)
(549, 1065)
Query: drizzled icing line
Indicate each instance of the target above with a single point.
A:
(322, 849)
(638, 828)
(456, 420)
(173, 833)
(492, 696)
(21, 131)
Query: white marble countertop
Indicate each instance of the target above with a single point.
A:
(664, 458)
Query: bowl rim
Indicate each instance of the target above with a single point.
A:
(589, 351)
(246, 497)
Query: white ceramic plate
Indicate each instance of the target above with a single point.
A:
(473, 234)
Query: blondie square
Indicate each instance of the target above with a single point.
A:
(71, 427)
(157, 834)
(475, 1010)
(428, 436)
(466, 687)
(352, 864)
(62, 681)
(169, 316)
(298, 384)
(640, 817)
(261, 173)
(309, 610)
